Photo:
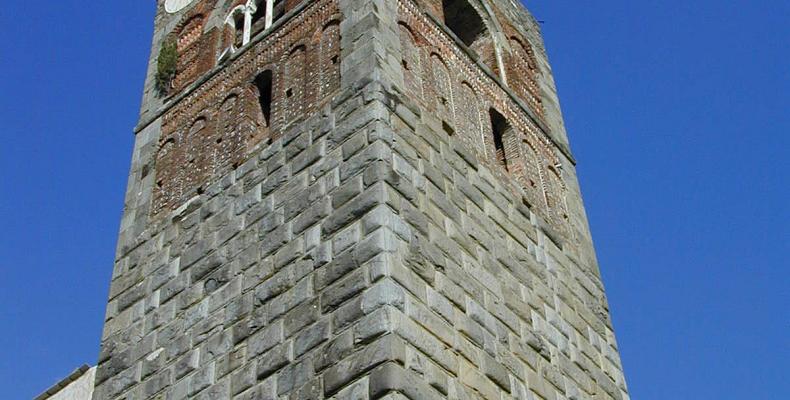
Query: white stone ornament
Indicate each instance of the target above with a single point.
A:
(174, 6)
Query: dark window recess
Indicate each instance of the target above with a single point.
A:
(260, 15)
(278, 10)
(238, 25)
(500, 128)
(263, 82)
(463, 20)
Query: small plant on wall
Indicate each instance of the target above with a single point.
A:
(166, 65)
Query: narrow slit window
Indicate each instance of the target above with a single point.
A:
(500, 128)
(263, 82)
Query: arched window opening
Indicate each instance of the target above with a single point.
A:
(263, 83)
(266, 13)
(259, 16)
(500, 129)
(250, 19)
(463, 20)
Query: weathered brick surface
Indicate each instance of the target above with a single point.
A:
(374, 245)
(218, 125)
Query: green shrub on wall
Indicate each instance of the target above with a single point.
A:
(166, 66)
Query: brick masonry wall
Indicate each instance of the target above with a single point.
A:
(364, 253)
(215, 126)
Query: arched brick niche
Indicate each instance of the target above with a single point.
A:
(411, 61)
(277, 82)
(523, 74)
(484, 29)
(195, 45)
(329, 59)
(479, 113)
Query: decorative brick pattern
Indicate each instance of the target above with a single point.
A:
(329, 60)
(454, 72)
(442, 86)
(523, 74)
(470, 118)
(411, 62)
(293, 53)
(295, 78)
(196, 49)
(373, 247)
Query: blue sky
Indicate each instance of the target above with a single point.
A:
(678, 114)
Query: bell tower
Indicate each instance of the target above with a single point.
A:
(353, 199)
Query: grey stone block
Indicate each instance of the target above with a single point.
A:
(273, 361)
(293, 377)
(202, 379)
(265, 339)
(334, 351)
(243, 378)
(391, 377)
(343, 290)
(388, 348)
(353, 210)
(311, 337)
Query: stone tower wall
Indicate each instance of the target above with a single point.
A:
(372, 246)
